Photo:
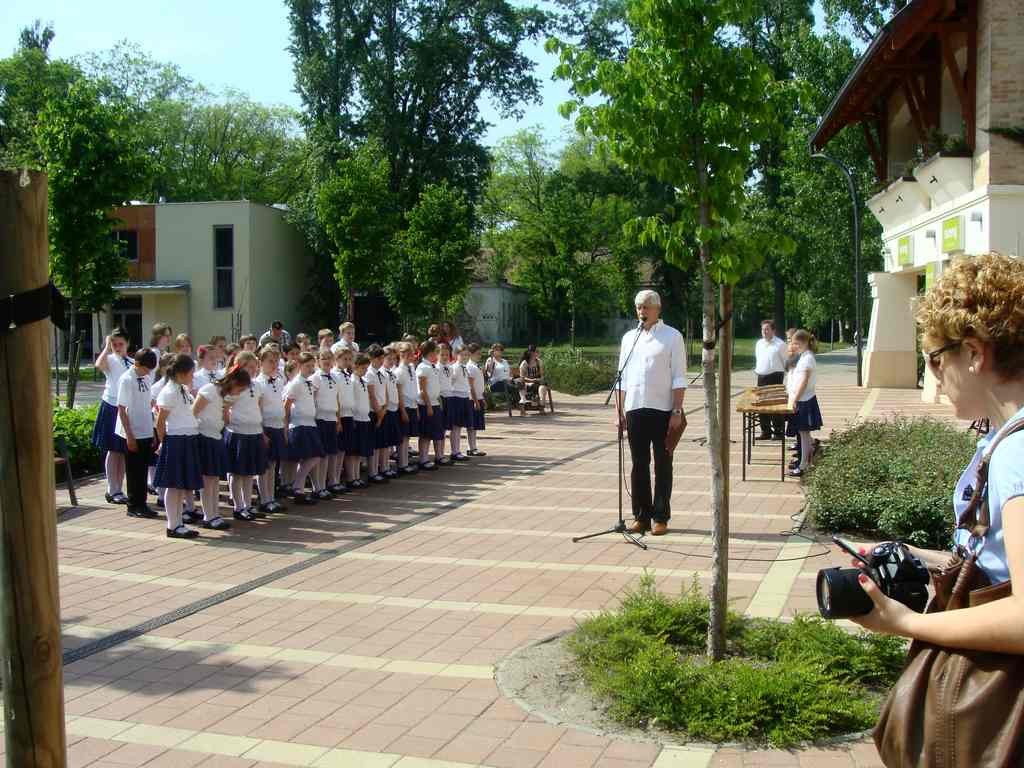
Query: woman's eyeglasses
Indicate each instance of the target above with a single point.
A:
(934, 357)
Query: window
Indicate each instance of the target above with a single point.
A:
(127, 241)
(223, 267)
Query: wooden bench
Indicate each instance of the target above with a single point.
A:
(61, 458)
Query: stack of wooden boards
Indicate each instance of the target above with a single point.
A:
(774, 394)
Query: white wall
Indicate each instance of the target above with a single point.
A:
(280, 273)
(184, 251)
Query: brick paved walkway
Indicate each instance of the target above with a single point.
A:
(370, 635)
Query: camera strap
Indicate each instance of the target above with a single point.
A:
(976, 519)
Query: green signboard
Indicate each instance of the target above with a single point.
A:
(953, 234)
(905, 251)
(929, 276)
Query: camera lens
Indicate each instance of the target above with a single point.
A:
(840, 594)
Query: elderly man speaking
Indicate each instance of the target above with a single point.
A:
(650, 408)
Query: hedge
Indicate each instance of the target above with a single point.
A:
(74, 426)
(577, 375)
(891, 480)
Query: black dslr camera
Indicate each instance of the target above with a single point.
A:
(890, 565)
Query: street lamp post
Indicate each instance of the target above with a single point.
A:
(856, 257)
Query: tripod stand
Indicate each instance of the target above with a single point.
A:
(620, 525)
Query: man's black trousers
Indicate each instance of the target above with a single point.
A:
(647, 428)
(772, 425)
(136, 470)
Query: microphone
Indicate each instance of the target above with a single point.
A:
(639, 325)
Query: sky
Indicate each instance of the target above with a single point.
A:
(228, 43)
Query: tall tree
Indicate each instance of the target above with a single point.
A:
(411, 73)
(28, 79)
(94, 156)
(861, 17)
(687, 105)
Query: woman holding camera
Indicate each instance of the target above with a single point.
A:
(972, 333)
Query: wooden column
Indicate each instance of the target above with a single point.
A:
(29, 605)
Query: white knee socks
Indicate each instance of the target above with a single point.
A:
(806, 449)
(471, 435)
(241, 491)
(265, 485)
(113, 466)
(305, 467)
(173, 500)
(210, 496)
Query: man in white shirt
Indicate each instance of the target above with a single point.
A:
(770, 368)
(650, 407)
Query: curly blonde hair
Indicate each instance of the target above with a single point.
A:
(980, 297)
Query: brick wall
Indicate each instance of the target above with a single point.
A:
(1000, 90)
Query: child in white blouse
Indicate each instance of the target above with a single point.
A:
(304, 443)
(113, 360)
(177, 468)
(246, 443)
(273, 382)
(460, 410)
(327, 399)
(406, 373)
(346, 399)
(476, 386)
(376, 380)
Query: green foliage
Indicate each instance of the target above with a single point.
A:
(74, 427)
(437, 244)
(94, 155)
(577, 375)
(782, 683)
(687, 105)
(891, 480)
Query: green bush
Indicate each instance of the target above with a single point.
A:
(74, 426)
(890, 480)
(577, 375)
(781, 684)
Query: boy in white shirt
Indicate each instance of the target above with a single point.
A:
(135, 427)
(376, 380)
(476, 385)
(328, 420)
(459, 406)
(361, 445)
(346, 398)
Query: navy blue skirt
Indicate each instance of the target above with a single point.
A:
(213, 457)
(412, 428)
(278, 450)
(460, 413)
(362, 439)
(178, 463)
(446, 411)
(431, 427)
(478, 418)
(103, 436)
(328, 436)
(806, 419)
(347, 438)
(394, 429)
(304, 443)
(247, 455)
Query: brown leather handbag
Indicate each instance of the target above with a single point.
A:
(953, 708)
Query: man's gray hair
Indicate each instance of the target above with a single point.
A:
(647, 298)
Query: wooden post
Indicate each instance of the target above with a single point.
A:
(33, 677)
(720, 534)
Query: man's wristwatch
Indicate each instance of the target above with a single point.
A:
(677, 411)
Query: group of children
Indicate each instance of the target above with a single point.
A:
(176, 427)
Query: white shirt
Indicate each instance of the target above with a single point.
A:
(177, 400)
(360, 398)
(202, 377)
(476, 381)
(456, 344)
(116, 368)
(273, 399)
(444, 379)
(155, 389)
(500, 370)
(246, 414)
(376, 378)
(429, 371)
(211, 418)
(656, 367)
(301, 393)
(805, 362)
(346, 395)
(326, 397)
(391, 378)
(769, 356)
(410, 385)
(460, 380)
(133, 393)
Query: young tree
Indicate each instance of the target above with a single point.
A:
(94, 156)
(688, 105)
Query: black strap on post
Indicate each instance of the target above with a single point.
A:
(718, 329)
(20, 309)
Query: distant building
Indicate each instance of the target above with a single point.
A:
(217, 268)
(931, 94)
(497, 312)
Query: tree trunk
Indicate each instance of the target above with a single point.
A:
(779, 286)
(720, 532)
(33, 682)
(719, 510)
(74, 353)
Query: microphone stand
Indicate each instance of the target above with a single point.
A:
(620, 525)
